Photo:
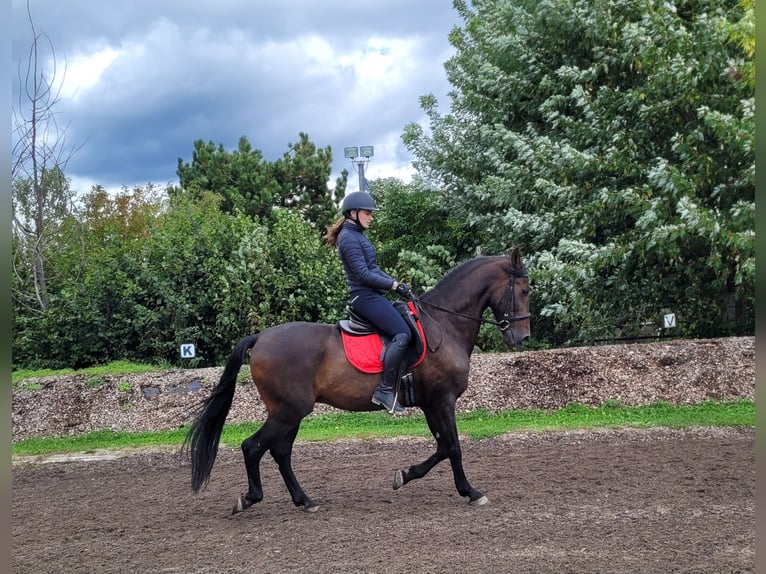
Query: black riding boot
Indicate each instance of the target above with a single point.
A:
(384, 394)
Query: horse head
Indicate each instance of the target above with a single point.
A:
(510, 300)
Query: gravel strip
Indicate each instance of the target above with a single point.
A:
(675, 371)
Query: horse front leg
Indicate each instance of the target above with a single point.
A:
(441, 422)
(416, 471)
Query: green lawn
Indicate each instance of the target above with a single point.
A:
(476, 425)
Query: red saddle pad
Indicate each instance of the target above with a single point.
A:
(364, 351)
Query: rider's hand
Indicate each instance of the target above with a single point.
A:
(404, 290)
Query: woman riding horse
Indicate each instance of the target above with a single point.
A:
(367, 284)
(296, 365)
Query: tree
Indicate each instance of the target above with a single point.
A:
(307, 282)
(41, 194)
(151, 273)
(242, 178)
(250, 185)
(613, 142)
(91, 317)
(302, 174)
(419, 254)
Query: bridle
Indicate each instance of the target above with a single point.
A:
(509, 297)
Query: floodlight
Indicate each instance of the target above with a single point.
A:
(350, 152)
(367, 151)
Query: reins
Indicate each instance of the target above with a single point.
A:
(504, 325)
(508, 296)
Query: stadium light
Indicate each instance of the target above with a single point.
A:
(367, 151)
(359, 156)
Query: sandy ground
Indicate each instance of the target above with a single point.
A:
(629, 501)
(620, 501)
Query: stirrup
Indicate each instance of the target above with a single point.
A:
(395, 407)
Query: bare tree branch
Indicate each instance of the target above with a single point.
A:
(41, 197)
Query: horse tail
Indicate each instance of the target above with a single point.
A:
(205, 433)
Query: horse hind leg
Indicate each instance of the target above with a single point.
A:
(277, 438)
(253, 449)
(282, 454)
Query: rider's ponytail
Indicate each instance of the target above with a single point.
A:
(331, 237)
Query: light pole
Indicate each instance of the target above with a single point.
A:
(359, 156)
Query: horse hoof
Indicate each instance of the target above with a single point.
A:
(398, 479)
(241, 506)
(479, 501)
(310, 508)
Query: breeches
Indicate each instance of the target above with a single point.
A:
(380, 312)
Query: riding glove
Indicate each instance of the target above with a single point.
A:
(404, 290)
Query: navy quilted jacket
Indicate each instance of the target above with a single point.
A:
(360, 262)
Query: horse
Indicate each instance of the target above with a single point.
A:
(295, 365)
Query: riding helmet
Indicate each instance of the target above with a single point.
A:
(357, 200)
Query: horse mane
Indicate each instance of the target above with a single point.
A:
(457, 274)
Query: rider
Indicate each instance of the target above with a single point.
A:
(367, 284)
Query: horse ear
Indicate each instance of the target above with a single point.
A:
(515, 256)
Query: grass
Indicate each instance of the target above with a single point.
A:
(476, 425)
(94, 373)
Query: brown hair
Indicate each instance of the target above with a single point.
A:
(331, 237)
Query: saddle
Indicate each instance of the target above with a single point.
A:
(365, 346)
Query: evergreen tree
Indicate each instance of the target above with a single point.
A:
(250, 185)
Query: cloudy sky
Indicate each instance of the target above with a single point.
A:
(142, 80)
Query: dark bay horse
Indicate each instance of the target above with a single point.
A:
(295, 365)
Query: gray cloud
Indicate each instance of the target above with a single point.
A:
(345, 73)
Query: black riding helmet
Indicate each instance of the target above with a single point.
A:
(357, 200)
